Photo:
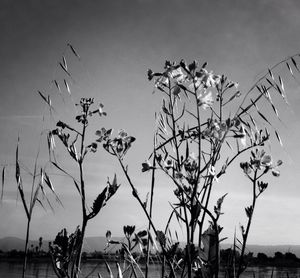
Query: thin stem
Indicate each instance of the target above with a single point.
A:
(150, 212)
(199, 160)
(134, 191)
(26, 248)
(83, 201)
(33, 179)
(245, 235)
(188, 255)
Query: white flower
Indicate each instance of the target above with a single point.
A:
(162, 81)
(244, 137)
(209, 79)
(205, 101)
(178, 75)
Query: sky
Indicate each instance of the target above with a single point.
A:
(118, 41)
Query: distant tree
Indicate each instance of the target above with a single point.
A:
(278, 255)
(262, 258)
(290, 257)
(278, 258)
(40, 243)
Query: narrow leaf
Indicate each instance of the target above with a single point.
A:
(39, 201)
(3, 175)
(260, 114)
(24, 201)
(59, 168)
(295, 64)
(271, 74)
(46, 99)
(19, 181)
(67, 86)
(229, 145)
(64, 69)
(253, 121)
(43, 97)
(50, 185)
(275, 110)
(74, 51)
(65, 63)
(281, 83)
(35, 197)
(57, 85)
(279, 90)
(271, 83)
(77, 186)
(18, 176)
(109, 270)
(278, 138)
(120, 275)
(48, 181)
(288, 66)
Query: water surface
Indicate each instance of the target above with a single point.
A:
(44, 270)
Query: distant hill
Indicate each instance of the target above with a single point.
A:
(91, 244)
(14, 243)
(99, 244)
(270, 250)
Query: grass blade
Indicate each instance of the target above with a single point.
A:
(74, 51)
(64, 69)
(67, 86)
(278, 138)
(294, 63)
(229, 146)
(57, 85)
(289, 67)
(34, 199)
(263, 116)
(43, 97)
(281, 83)
(109, 270)
(275, 110)
(120, 274)
(65, 62)
(271, 74)
(19, 181)
(3, 175)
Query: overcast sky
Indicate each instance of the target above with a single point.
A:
(117, 42)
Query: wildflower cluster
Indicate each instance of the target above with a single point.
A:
(195, 123)
(188, 78)
(116, 146)
(260, 161)
(85, 104)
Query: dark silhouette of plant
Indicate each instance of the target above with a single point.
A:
(203, 114)
(71, 138)
(132, 241)
(37, 195)
(40, 244)
(64, 252)
(259, 165)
